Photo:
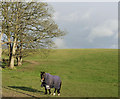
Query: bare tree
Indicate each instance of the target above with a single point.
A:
(28, 26)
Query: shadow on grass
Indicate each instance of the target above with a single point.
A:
(25, 89)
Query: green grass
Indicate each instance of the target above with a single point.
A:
(84, 73)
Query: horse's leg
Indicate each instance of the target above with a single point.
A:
(49, 91)
(54, 92)
(45, 90)
(58, 91)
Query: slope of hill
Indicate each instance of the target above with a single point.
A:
(84, 73)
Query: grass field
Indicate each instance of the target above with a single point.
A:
(84, 73)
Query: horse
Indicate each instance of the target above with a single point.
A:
(50, 81)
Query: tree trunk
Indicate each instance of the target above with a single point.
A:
(1, 51)
(19, 61)
(15, 41)
(1, 64)
(13, 54)
(19, 58)
(10, 50)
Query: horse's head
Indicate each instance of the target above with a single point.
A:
(42, 76)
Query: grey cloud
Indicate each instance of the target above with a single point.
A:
(85, 21)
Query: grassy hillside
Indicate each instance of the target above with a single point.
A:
(84, 73)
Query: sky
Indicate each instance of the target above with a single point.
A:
(88, 24)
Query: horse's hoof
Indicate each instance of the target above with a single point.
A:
(59, 94)
(53, 94)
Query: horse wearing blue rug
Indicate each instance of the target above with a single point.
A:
(50, 81)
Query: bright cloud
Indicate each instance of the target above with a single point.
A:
(109, 28)
(87, 14)
(89, 25)
(73, 17)
(60, 43)
(114, 46)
